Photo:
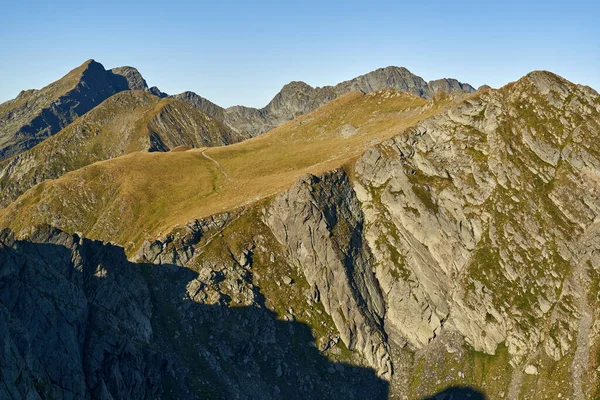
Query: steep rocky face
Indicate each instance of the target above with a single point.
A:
(179, 124)
(37, 114)
(320, 222)
(126, 122)
(157, 92)
(298, 98)
(133, 79)
(482, 221)
(449, 85)
(75, 321)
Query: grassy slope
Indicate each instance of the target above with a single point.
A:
(141, 195)
(90, 137)
(119, 125)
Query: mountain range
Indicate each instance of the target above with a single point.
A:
(385, 237)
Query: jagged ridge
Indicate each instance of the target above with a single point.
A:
(37, 114)
(298, 98)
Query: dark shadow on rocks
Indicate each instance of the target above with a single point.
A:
(77, 320)
(458, 393)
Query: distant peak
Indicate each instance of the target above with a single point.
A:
(542, 72)
(391, 69)
(396, 68)
(189, 93)
(91, 63)
(156, 91)
(125, 68)
(545, 81)
(134, 80)
(295, 86)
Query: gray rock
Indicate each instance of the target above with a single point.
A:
(320, 222)
(133, 79)
(297, 98)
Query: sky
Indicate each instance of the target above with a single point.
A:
(243, 52)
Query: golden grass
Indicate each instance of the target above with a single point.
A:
(142, 195)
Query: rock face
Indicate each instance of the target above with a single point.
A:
(320, 222)
(179, 124)
(133, 79)
(37, 114)
(483, 221)
(205, 105)
(297, 98)
(126, 122)
(77, 320)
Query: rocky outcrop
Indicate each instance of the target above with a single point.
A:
(157, 92)
(179, 246)
(133, 79)
(480, 219)
(298, 98)
(206, 106)
(179, 124)
(320, 223)
(38, 114)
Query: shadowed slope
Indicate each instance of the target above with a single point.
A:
(78, 320)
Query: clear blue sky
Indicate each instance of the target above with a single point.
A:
(242, 52)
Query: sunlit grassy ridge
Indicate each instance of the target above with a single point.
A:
(141, 195)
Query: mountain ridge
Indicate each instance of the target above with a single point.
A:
(297, 98)
(128, 121)
(36, 114)
(442, 244)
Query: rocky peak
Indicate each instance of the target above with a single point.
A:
(202, 104)
(157, 92)
(398, 78)
(133, 78)
(295, 87)
(38, 114)
(298, 98)
(449, 85)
